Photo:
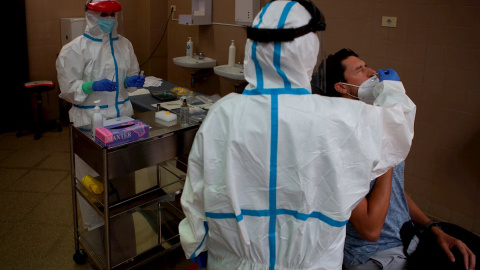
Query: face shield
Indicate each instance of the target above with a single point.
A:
(315, 25)
(106, 14)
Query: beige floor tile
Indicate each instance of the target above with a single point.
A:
(28, 158)
(5, 228)
(54, 209)
(61, 256)
(14, 206)
(10, 141)
(26, 246)
(5, 153)
(64, 186)
(38, 181)
(10, 176)
(57, 161)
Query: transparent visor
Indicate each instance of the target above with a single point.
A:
(117, 15)
(319, 79)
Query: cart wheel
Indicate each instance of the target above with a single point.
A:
(80, 257)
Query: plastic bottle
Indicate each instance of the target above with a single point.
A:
(231, 54)
(189, 47)
(97, 118)
(184, 112)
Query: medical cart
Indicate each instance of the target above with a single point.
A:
(142, 183)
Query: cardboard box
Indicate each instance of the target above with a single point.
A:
(122, 133)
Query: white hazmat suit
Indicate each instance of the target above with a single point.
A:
(274, 173)
(93, 56)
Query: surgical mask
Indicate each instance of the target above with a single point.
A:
(106, 24)
(365, 90)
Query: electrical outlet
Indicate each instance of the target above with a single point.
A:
(389, 21)
(173, 8)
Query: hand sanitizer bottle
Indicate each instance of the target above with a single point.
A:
(231, 54)
(97, 118)
(189, 47)
(184, 112)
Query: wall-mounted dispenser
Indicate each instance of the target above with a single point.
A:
(70, 28)
(201, 13)
(245, 11)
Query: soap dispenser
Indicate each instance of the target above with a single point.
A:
(189, 47)
(97, 118)
(231, 54)
(184, 112)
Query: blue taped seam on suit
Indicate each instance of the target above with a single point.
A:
(116, 75)
(266, 213)
(276, 91)
(205, 224)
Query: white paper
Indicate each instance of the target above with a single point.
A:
(139, 91)
(152, 81)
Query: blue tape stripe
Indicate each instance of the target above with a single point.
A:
(220, 215)
(92, 38)
(266, 213)
(264, 9)
(89, 106)
(317, 215)
(273, 179)
(205, 224)
(277, 51)
(276, 91)
(258, 68)
(101, 106)
(116, 75)
(256, 213)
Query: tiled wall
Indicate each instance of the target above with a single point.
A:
(435, 48)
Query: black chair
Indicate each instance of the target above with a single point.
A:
(40, 126)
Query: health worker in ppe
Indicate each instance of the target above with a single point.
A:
(274, 172)
(98, 65)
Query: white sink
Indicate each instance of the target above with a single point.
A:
(234, 73)
(194, 63)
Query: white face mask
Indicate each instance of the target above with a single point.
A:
(365, 90)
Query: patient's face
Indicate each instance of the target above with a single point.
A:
(356, 72)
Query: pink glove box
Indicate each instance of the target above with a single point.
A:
(122, 133)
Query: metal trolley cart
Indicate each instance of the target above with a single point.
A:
(140, 203)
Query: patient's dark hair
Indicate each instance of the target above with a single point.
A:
(335, 70)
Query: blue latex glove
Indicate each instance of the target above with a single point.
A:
(135, 81)
(388, 75)
(201, 259)
(104, 85)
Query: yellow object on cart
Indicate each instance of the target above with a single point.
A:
(95, 186)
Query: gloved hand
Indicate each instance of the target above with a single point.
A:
(201, 259)
(101, 85)
(104, 85)
(135, 81)
(388, 75)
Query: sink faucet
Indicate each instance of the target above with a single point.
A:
(200, 56)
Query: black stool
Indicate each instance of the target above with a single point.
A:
(38, 87)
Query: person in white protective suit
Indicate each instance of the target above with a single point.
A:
(98, 65)
(274, 173)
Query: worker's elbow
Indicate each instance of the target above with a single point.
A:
(371, 235)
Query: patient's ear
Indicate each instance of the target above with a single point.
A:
(341, 88)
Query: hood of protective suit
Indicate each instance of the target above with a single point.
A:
(92, 29)
(294, 61)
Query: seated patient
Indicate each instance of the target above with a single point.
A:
(373, 238)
